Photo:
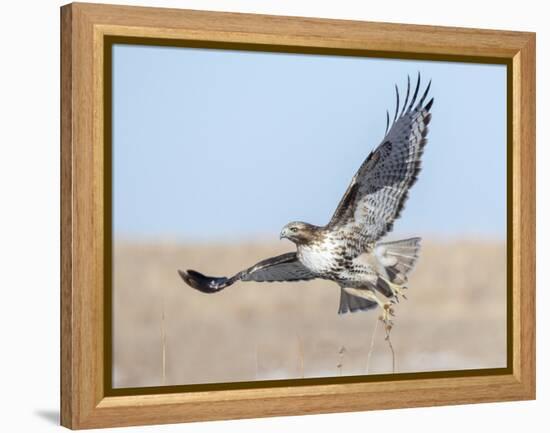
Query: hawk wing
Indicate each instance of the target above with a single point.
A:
(378, 191)
(285, 267)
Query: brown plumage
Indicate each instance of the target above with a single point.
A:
(303, 233)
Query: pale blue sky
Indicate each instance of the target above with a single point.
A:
(214, 144)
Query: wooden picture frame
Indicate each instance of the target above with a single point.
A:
(87, 30)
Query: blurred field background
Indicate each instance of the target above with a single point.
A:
(165, 333)
(211, 147)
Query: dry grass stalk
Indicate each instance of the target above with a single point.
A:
(341, 354)
(301, 356)
(387, 328)
(371, 349)
(257, 362)
(163, 338)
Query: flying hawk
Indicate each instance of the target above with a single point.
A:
(348, 250)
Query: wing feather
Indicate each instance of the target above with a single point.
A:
(379, 189)
(285, 267)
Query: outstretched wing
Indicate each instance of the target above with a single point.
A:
(378, 191)
(285, 267)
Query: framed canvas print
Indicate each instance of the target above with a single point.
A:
(267, 215)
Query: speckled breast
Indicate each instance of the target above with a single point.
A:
(324, 257)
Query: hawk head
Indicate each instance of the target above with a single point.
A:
(300, 232)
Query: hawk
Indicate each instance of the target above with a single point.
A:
(348, 249)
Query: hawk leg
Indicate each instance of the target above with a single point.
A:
(397, 290)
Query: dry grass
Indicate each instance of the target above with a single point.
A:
(166, 332)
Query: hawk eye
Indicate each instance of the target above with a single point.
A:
(294, 229)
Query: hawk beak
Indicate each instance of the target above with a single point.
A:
(283, 234)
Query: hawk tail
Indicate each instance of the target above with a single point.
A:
(352, 304)
(398, 258)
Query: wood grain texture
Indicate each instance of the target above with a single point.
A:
(67, 385)
(84, 403)
(524, 215)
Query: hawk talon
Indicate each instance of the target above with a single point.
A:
(397, 290)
